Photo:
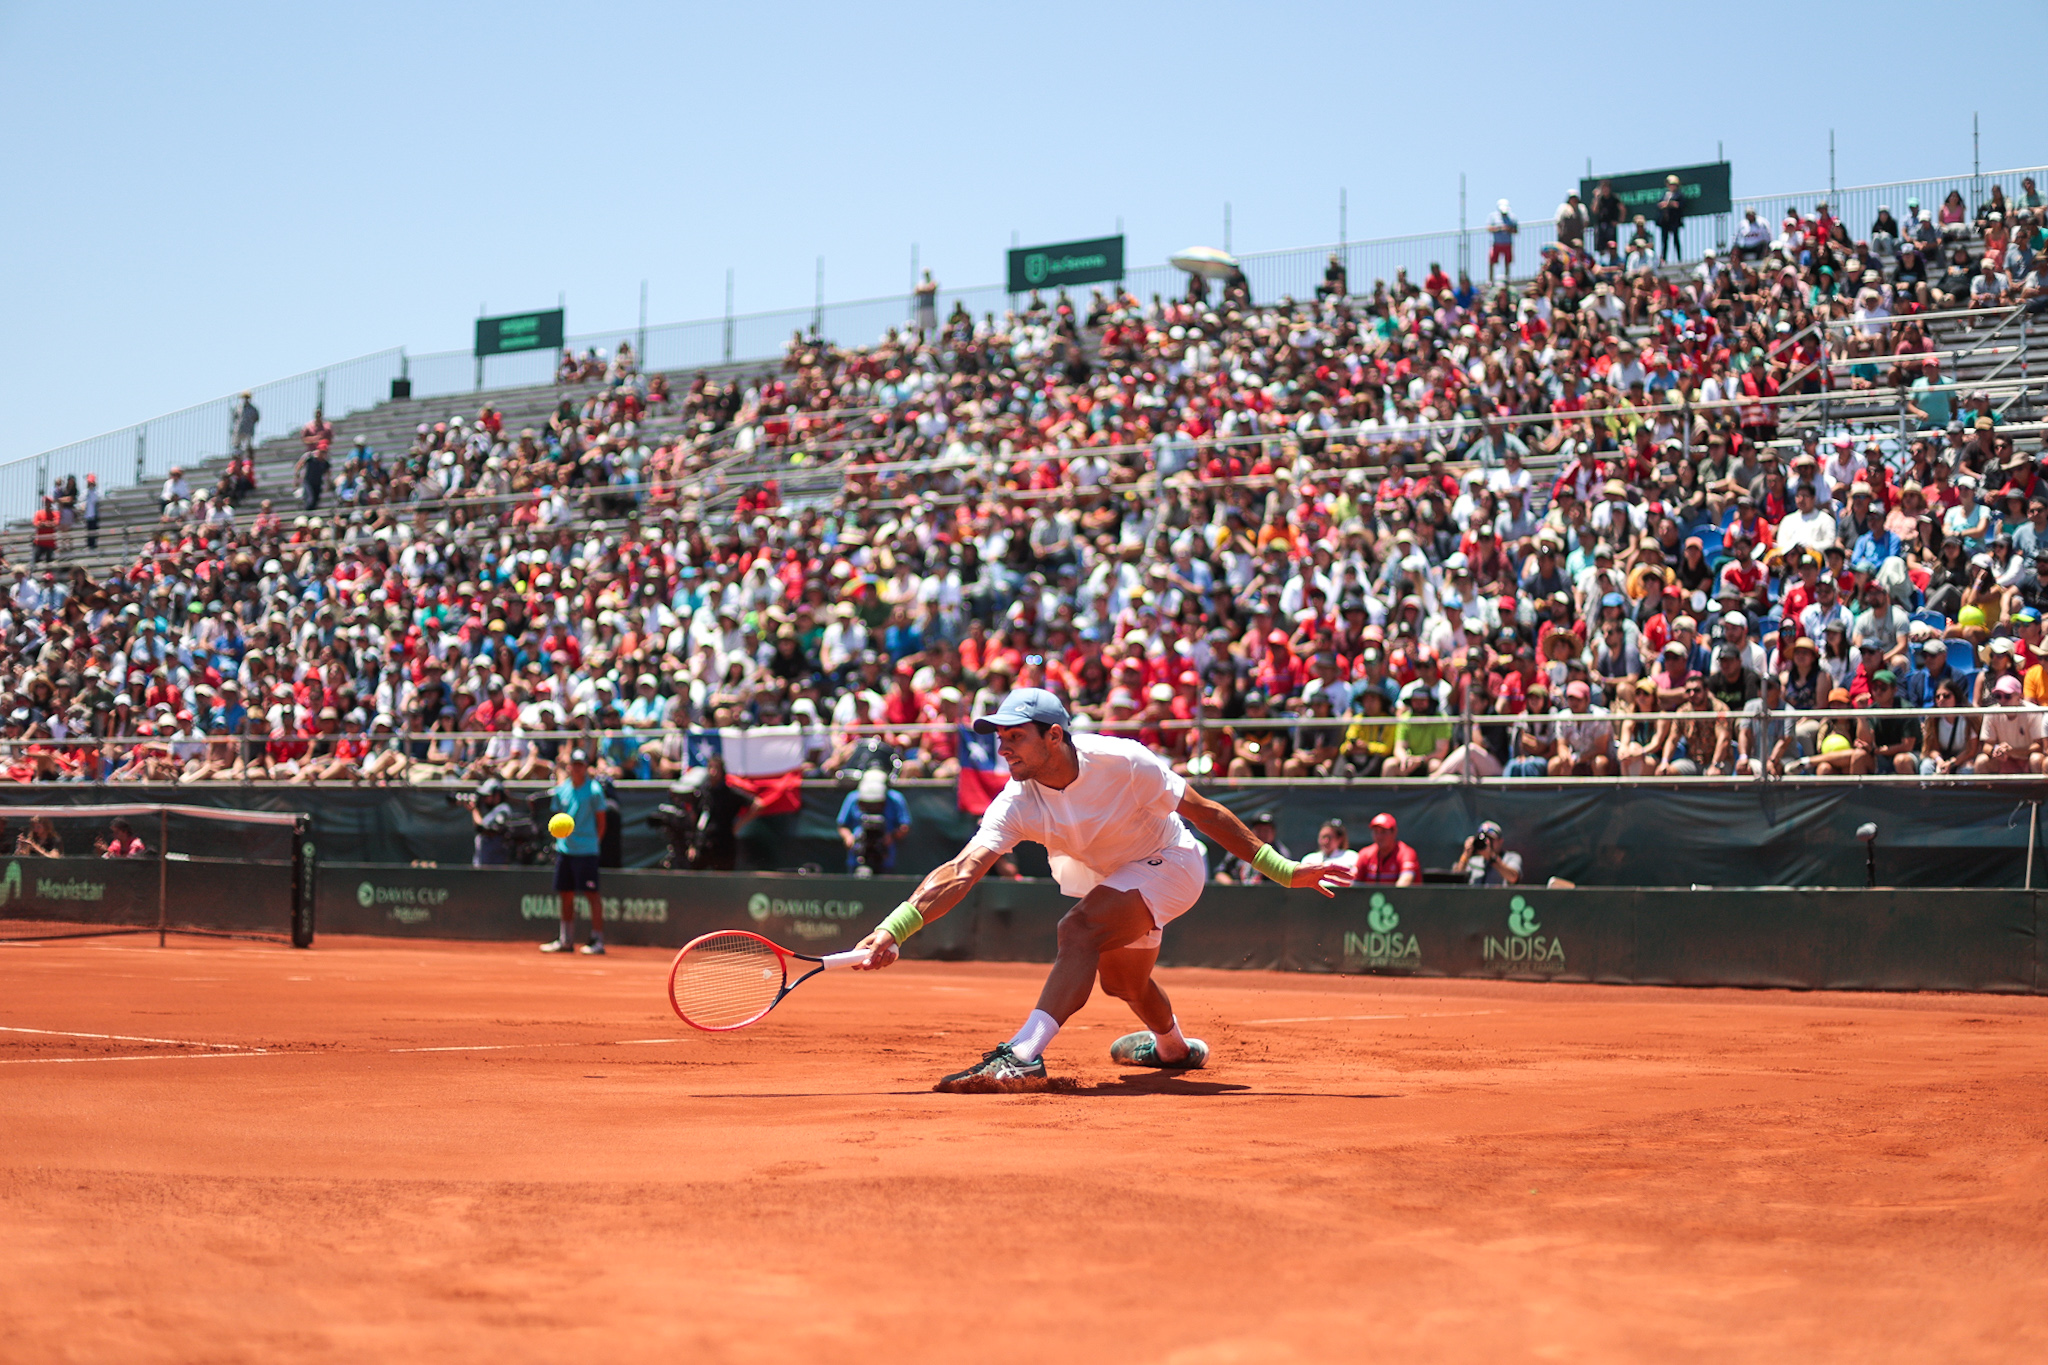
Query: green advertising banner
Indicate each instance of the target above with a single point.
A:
(519, 332)
(1889, 939)
(1065, 263)
(1706, 190)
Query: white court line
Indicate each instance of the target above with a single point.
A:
(1336, 1018)
(237, 1050)
(140, 1057)
(128, 1038)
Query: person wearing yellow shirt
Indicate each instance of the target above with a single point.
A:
(1369, 741)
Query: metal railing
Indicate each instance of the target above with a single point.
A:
(135, 454)
(450, 756)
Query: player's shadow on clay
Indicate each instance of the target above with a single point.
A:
(1169, 1083)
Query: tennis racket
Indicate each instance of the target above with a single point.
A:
(730, 979)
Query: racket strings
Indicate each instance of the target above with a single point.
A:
(727, 980)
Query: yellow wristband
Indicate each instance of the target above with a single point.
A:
(1276, 868)
(903, 921)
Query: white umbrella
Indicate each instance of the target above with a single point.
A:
(1204, 260)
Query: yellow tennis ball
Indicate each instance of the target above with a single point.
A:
(1970, 616)
(1834, 744)
(563, 824)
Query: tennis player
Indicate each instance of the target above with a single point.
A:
(1115, 820)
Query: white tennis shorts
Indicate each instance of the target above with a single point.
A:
(1171, 881)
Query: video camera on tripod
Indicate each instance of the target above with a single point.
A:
(874, 839)
(501, 820)
(681, 821)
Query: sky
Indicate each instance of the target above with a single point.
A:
(205, 196)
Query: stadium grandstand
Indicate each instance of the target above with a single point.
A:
(1772, 509)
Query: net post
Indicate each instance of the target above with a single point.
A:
(302, 882)
(163, 872)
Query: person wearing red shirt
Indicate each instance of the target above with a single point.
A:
(1386, 858)
(47, 520)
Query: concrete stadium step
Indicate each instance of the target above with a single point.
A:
(390, 426)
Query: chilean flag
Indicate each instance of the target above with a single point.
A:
(982, 771)
(766, 762)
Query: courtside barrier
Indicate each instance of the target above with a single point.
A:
(1888, 939)
(1676, 833)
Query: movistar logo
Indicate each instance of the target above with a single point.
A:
(1522, 918)
(1381, 917)
(1037, 267)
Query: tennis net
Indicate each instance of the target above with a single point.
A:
(73, 871)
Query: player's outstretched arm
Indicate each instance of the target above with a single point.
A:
(1226, 829)
(941, 890)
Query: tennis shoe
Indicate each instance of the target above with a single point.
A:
(594, 948)
(998, 1072)
(558, 945)
(1142, 1049)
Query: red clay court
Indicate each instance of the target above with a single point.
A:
(374, 1151)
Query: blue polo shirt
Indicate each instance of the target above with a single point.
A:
(582, 805)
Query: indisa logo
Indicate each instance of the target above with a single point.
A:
(1383, 946)
(1525, 945)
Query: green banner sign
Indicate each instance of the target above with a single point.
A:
(519, 332)
(1705, 189)
(1065, 263)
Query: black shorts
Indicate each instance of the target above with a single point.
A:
(575, 872)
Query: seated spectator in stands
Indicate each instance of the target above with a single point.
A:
(1834, 752)
(1991, 286)
(1370, 740)
(1766, 743)
(1386, 858)
(120, 841)
(1948, 744)
(1638, 729)
(1920, 685)
(1697, 741)
(1317, 747)
(1585, 737)
(1485, 859)
(1533, 741)
(1333, 846)
(2015, 740)
(39, 840)
(1238, 871)
(1887, 744)
(1422, 740)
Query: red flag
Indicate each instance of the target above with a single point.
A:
(982, 771)
(775, 794)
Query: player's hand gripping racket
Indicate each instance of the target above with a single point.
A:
(732, 978)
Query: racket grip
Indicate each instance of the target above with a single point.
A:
(845, 959)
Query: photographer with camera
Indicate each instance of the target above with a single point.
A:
(1484, 862)
(491, 812)
(872, 821)
(702, 819)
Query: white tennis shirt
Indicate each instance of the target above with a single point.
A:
(1119, 810)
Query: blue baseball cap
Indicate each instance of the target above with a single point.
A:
(1021, 707)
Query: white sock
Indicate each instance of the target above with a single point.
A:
(568, 934)
(1172, 1044)
(1032, 1039)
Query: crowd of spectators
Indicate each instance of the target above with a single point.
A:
(1325, 513)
